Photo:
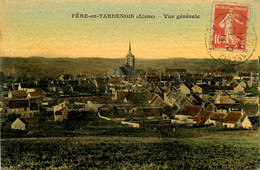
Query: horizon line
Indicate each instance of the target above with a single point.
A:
(119, 58)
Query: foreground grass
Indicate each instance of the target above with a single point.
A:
(215, 151)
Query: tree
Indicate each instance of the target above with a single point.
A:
(101, 89)
(77, 119)
(140, 98)
(12, 117)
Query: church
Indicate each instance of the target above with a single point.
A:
(129, 68)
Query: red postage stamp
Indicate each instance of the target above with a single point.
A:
(229, 27)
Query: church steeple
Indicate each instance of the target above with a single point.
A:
(130, 47)
(130, 58)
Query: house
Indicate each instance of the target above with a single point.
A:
(36, 95)
(114, 82)
(246, 123)
(212, 88)
(169, 98)
(181, 100)
(139, 84)
(170, 95)
(202, 117)
(229, 79)
(209, 106)
(123, 85)
(238, 88)
(122, 96)
(243, 84)
(232, 81)
(130, 109)
(183, 88)
(247, 77)
(18, 106)
(23, 107)
(187, 115)
(196, 100)
(191, 110)
(60, 112)
(224, 98)
(19, 124)
(225, 108)
(215, 119)
(237, 119)
(17, 94)
(156, 101)
(231, 120)
(197, 89)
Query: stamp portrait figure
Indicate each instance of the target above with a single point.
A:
(230, 24)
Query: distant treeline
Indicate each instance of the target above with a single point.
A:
(40, 67)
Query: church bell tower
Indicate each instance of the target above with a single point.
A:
(130, 58)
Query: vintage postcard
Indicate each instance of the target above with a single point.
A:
(129, 84)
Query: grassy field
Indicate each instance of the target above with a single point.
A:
(210, 151)
(99, 144)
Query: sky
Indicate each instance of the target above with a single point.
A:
(46, 28)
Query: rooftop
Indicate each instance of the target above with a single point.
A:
(203, 117)
(191, 110)
(232, 117)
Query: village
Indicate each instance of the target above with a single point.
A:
(135, 98)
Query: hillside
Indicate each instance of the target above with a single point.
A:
(39, 66)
